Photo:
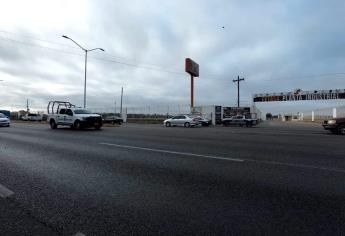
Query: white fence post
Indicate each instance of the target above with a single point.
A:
(312, 116)
(334, 112)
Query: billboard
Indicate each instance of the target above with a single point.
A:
(234, 111)
(299, 95)
(191, 67)
(218, 115)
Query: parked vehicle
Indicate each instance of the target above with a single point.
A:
(113, 120)
(203, 121)
(239, 121)
(32, 117)
(181, 120)
(336, 125)
(4, 120)
(65, 113)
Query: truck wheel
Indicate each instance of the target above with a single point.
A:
(249, 124)
(53, 125)
(341, 130)
(77, 125)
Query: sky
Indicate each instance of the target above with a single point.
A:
(276, 46)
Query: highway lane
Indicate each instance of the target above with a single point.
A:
(151, 179)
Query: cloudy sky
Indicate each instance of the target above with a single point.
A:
(275, 45)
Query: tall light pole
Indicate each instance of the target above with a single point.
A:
(86, 51)
(121, 101)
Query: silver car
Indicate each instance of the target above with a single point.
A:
(181, 120)
(4, 120)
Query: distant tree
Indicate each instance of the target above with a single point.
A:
(269, 116)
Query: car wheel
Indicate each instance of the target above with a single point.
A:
(77, 125)
(97, 127)
(187, 124)
(341, 130)
(167, 124)
(53, 124)
(120, 123)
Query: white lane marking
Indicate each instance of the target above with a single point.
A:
(5, 192)
(229, 159)
(298, 165)
(173, 152)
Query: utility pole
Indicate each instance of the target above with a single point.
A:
(27, 105)
(238, 89)
(115, 107)
(121, 101)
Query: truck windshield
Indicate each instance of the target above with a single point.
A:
(82, 111)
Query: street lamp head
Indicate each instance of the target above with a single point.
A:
(64, 36)
(102, 49)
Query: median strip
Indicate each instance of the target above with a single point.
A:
(5, 192)
(172, 152)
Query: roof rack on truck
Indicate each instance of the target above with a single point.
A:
(58, 105)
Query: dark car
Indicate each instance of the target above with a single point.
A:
(203, 121)
(113, 120)
(336, 125)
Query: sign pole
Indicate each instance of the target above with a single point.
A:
(191, 68)
(191, 91)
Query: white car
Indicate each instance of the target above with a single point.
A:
(4, 120)
(32, 117)
(181, 120)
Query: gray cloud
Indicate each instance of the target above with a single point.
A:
(264, 42)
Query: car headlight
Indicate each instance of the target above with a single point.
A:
(331, 122)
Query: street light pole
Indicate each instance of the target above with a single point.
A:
(85, 79)
(86, 51)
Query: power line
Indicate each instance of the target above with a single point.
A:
(147, 66)
(37, 39)
(69, 46)
(97, 58)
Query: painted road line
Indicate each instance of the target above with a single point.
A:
(298, 165)
(5, 192)
(301, 166)
(173, 152)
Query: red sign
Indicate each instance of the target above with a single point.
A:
(192, 67)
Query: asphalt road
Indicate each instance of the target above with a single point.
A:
(274, 179)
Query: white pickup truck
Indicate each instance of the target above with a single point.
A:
(239, 121)
(67, 114)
